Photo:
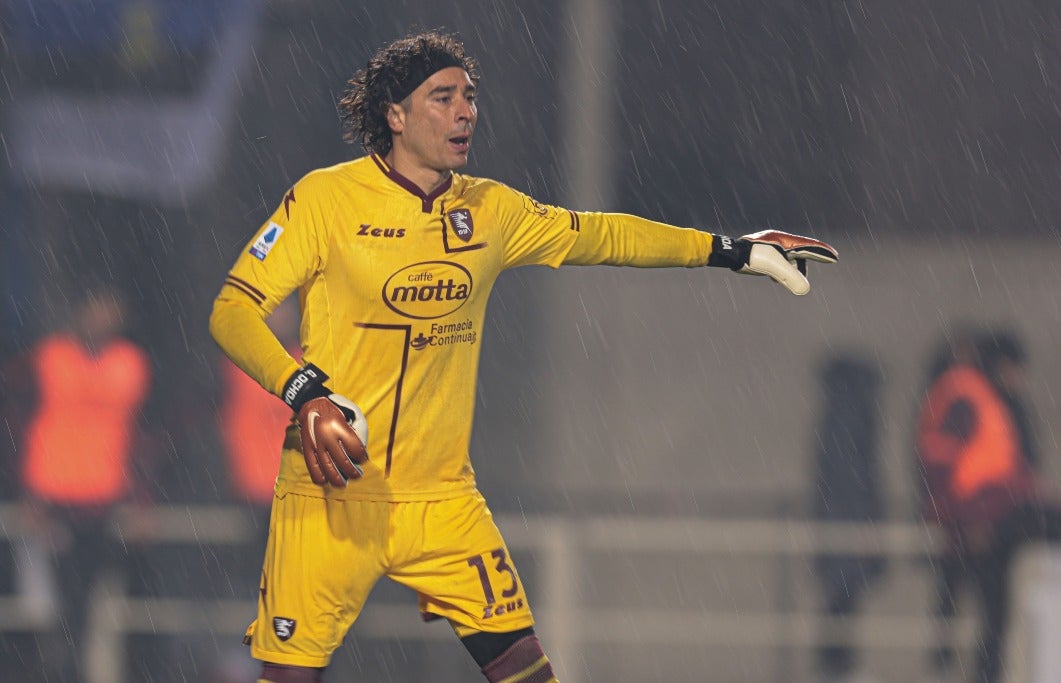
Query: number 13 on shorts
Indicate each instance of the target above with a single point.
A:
(511, 598)
(466, 574)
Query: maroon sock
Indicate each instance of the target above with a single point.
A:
(524, 659)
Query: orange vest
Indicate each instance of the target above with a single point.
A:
(253, 422)
(78, 444)
(991, 455)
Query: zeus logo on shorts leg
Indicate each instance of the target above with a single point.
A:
(262, 246)
(284, 628)
(501, 608)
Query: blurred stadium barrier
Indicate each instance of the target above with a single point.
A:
(577, 606)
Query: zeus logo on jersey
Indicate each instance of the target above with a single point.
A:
(284, 628)
(264, 244)
(366, 230)
(289, 199)
(427, 290)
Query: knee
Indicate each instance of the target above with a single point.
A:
(282, 673)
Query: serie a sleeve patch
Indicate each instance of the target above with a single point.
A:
(264, 244)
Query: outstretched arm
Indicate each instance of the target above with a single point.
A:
(624, 240)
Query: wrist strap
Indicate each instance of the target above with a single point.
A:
(305, 384)
(727, 252)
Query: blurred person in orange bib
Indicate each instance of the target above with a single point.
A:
(79, 392)
(978, 460)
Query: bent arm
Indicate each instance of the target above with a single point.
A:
(240, 330)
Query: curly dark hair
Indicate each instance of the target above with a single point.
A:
(391, 76)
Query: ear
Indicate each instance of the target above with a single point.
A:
(396, 118)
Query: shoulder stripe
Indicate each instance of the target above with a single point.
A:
(576, 225)
(245, 287)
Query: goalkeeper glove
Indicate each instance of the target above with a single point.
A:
(333, 429)
(780, 255)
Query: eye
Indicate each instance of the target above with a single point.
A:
(444, 99)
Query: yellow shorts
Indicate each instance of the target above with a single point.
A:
(324, 556)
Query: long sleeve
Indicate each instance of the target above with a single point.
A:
(622, 240)
(540, 234)
(288, 251)
(241, 332)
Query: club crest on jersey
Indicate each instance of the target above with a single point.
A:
(461, 219)
(261, 247)
(284, 628)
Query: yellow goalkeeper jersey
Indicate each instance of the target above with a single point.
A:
(393, 286)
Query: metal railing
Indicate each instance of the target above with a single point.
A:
(561, 546)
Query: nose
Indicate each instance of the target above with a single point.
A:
(465, 111)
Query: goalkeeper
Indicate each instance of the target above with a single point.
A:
(393, 256)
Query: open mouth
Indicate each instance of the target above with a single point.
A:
(460, 142)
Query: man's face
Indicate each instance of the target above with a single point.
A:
(433, 127)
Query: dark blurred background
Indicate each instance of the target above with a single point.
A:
(143, 142)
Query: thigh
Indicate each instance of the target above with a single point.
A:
(454, 557)
(321, 561)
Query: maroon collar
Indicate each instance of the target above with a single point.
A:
(409, 186)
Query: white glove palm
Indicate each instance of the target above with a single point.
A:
(780, 256)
